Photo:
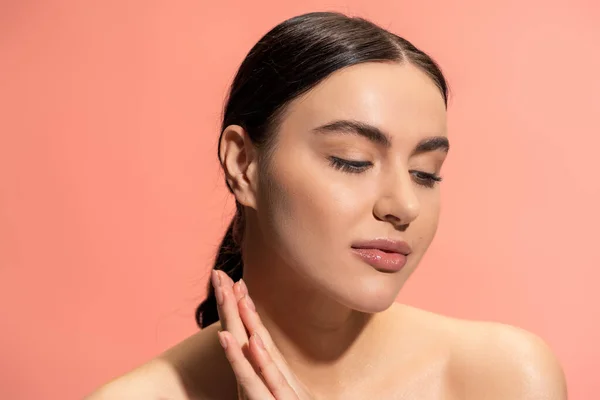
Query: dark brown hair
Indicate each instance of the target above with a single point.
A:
(288, 61)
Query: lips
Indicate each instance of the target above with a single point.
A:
(385, 245)
(385, 255)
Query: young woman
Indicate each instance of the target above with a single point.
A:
(332, 142)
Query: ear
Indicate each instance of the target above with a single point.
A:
(239, 160)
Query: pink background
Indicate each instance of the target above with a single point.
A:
(112, 204)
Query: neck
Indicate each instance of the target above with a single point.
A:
(323, 341)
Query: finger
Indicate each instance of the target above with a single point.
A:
(276, 382)
(239, 290)
(254, 325)
(227, 307)
(236, 287)
(245, 374)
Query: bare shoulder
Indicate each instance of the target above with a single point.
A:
(498, 361)
(488, 360)
(154, 380)
(194, 369)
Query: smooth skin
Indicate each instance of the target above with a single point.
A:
(264, 373)
(356, 158)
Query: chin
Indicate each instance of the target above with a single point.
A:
(371, 299)
(372, 307)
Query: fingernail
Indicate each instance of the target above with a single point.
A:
(243, 286)
(222, 340)
(259, 341)
(250, 303)
(219, 295)
(237, 288)
(216, 279)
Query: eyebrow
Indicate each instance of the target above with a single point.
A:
(375, 135)
(370, 132)
(433, 143)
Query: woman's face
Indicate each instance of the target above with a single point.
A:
(356, 160)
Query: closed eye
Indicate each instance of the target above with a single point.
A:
(422, 178)
(350, 166)
(426, 179)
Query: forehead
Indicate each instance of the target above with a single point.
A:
(397, 98)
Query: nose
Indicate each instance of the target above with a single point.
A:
(398, 203)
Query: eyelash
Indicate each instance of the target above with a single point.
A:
(353, 167)
(424, 179)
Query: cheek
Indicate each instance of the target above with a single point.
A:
(425, 226)
(310, 208)
(299, 205)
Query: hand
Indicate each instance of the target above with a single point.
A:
(262, 372)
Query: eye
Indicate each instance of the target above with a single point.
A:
(426, 179)
(350, 166)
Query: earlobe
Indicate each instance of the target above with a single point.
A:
(238, 159)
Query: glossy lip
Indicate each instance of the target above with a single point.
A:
(385, 255)
(386, 245)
